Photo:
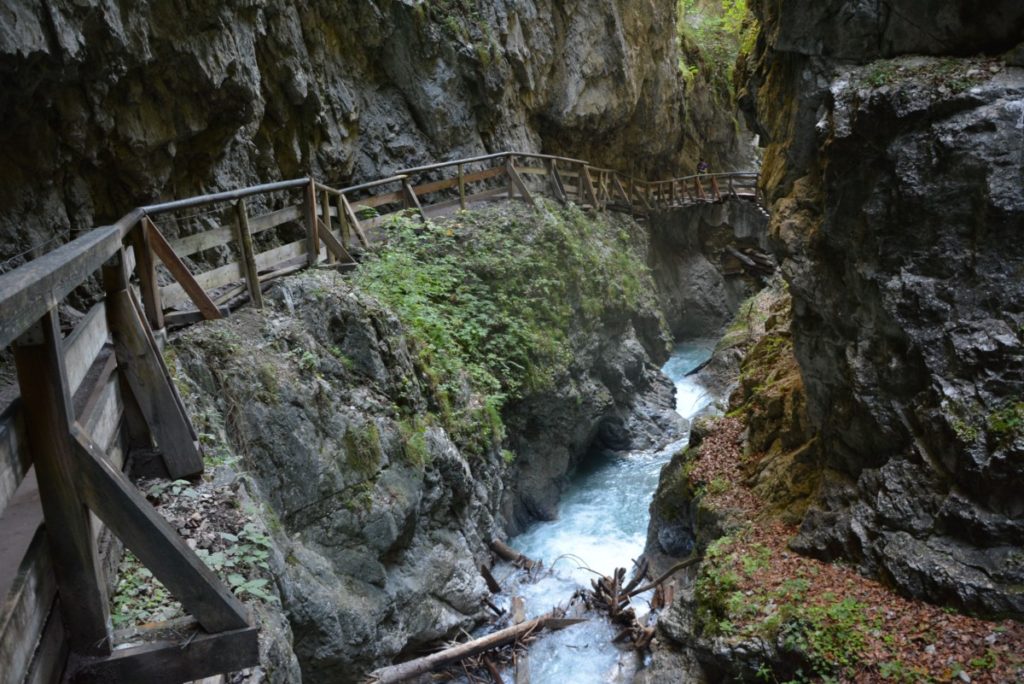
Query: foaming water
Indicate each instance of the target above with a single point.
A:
(601, 525)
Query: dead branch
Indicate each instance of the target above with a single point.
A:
(418, 666)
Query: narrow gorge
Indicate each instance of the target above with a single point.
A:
(523, 341)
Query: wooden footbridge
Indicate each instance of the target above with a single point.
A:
(94, 399)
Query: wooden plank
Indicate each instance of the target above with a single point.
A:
(83, 344)
(14, 457)
(532, 171)
(29, 291)
(181, 273)
(143, 368)
(395, 197)
(229, 294)
(376, 221)
(519, 185)
(483, 175)
(326, 222)
(462, 186)
(163, 662)
(284, 268)
(227, 274)
(493, 193)
(252, 278)
(587, 185)
(343, 220)
(258, 224)
(442, 208)
(200, 242)
(43, 382)
(436, 186)
(409, 198)
(163, 369)
(179, 319)
(153, 541)
(270, 259)
(555, 181)
(309, 214)
(50, 658)
(103, 421)
(27, 581)
(333, 245)
(147, 274)
(353, 221)
(617, 186)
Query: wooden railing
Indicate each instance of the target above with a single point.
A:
(89, 401)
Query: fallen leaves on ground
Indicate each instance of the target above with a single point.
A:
(905, 640)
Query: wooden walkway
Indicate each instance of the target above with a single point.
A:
(94, 399)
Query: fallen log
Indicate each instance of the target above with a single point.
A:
(419, 666)
(507, 553)
(492, 584)
(518, 610)
(692, 560)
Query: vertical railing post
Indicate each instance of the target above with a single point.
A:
(145, 266)
(325, 213)
(343, 220)
(508, 172)
(312, 238)
(42, 379)
(244, 237)
(462, 188)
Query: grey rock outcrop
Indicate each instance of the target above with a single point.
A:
(381, 524)
(685, 255)
(108, 106)
(899, 197)
(380, 519)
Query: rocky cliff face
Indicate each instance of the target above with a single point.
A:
(108, 106)
(379, 521)
(687, 256)
(382, 480)
(898, 204)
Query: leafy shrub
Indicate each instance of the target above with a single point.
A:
(490, 298)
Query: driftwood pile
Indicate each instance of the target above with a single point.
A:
(459, 652)
(610, 594)
(754, 261)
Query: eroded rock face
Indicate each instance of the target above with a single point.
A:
(686, 252)
(380, 519)
(899, 203)
(108, 106)
(382, 522)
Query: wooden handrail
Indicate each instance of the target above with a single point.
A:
(50, 278)
(229, 195)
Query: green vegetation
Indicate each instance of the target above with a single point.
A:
(828, 634)
(489, 298)
(363, 452)
(140, 598)
(1008, 421)
(712, 37)
(462, 20)
(414, 440)
(946, 74)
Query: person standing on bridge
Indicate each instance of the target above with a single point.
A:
(703, 167)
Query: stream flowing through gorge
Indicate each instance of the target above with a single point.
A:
(602, 524)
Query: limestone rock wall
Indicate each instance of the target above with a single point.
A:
(686, 254)
(898, 199)
(109, 105)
